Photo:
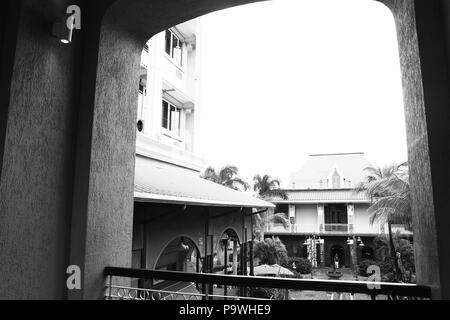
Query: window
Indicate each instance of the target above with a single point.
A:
(171, 117)
(174, 47)
(142, 86)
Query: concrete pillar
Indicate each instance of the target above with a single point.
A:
(322, 252)
(102, 213)
(321, 217)
(225, 256)
(39, 90)
(350, 217)
(423, 35)
(292, 217)
(235, 257)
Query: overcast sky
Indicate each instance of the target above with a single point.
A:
(284, 79)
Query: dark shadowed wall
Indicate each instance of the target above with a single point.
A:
(37, 152)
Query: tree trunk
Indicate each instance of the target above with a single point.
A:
(393, 254)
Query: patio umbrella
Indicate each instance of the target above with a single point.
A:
(275, 269)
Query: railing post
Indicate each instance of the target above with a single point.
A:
(207, 292)
(110, 287)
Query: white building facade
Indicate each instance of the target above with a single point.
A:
(169, 106)
(180, 219)
(323, 206)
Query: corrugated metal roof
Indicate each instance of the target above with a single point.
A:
(163, 184)
(323, 196)
(318, 167)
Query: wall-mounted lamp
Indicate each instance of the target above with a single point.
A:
(63, 30)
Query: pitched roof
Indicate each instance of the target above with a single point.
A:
(319, 167)
(324, 195)
(159, 183)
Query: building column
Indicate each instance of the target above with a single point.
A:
(322, 252)
(225, 262)
(321, 217)
(423, 42)
(350, 217)
(235, 257)
(292, 217)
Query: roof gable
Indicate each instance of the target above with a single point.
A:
(320, 168)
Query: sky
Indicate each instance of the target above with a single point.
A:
(284, 79)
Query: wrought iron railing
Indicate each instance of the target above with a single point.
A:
(200, 286)
(337, 227)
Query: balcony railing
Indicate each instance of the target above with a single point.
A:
(311, 228)
(324, 229)
(337, 227)
(200, 286)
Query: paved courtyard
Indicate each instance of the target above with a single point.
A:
(322, 274)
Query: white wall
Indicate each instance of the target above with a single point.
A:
(362, 220)
(163, 72)
(306, 217)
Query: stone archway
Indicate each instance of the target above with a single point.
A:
(179, 255)
(227, 252)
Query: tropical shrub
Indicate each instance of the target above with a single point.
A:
(364, 265)
(269, 293)
(386, 269)
(406, 250)
(302, 265)
(271, 251)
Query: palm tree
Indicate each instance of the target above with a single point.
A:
(388, 188)
(280, 218)
(227, 176)
(266, 188)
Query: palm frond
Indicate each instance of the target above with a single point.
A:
(281, 219)
(237, 184)
(389, 190)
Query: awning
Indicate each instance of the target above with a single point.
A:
(161, 183)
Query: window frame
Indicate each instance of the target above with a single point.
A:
(170, 55)
(167, 131)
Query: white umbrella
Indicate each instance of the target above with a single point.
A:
(275, 269)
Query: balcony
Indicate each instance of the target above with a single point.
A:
(157, 149)
(204, 286)
(323, 229)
